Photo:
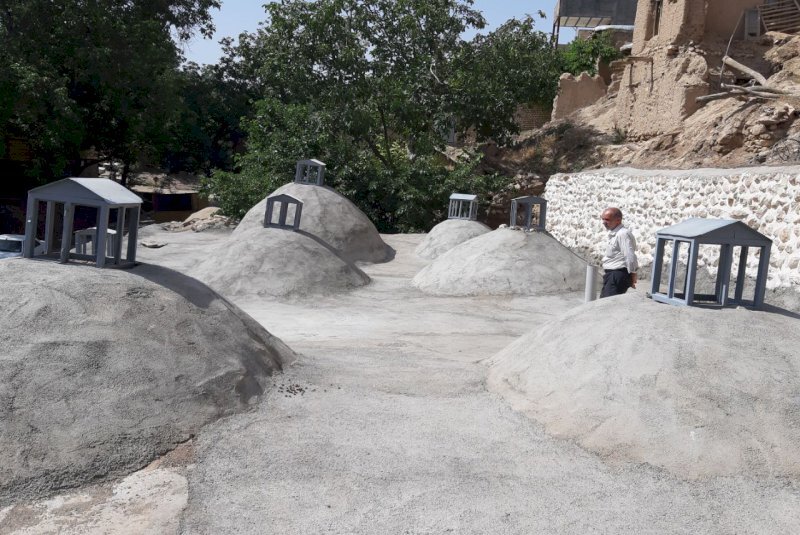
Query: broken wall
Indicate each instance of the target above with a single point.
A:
(678, 21)
(575, 93)
(764, 198)
(669, 68)
(657, 92)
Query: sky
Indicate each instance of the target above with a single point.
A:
(237, 16)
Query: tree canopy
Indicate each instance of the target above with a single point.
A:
(582, 55)
(95, 74)
(374, 87)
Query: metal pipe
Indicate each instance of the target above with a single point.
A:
(590, 291)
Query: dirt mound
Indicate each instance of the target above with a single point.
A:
(279, 263)
(103, 370)
(504, 262)
(332, 218)
(699, 392)
(447, 235)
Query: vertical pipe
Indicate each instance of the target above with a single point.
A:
(590, 289)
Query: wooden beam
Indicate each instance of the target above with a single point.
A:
(758, 77)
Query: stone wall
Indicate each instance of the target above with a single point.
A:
(765, 198)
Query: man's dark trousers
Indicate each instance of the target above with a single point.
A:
(615, 282)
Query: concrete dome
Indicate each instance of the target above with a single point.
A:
(103, 370)
(504, 262)
(330, 217)
(699, 392)
(447, 235)
(277, 262)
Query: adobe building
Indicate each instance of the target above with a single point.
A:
(677, 44)
(590, 17)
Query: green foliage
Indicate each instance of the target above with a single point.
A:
(495, 73)
(278, 136)
(581, 55)
(379, 68)
(409, 196)
(99, 74)
(205, 127)
(372, 87)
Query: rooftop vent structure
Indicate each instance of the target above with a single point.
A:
(286, 203)
(533, 211)
(686, 239)
(107, 198)
(463, 206)
(310, 172)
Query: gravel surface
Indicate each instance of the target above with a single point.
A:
(385, 425)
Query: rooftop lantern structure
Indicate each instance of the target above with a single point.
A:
(730, 237)
(533, 211)
(285, 204)
(310, 172)
(463, 206)
(107, 198)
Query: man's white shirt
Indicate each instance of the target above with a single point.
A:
(621, 250)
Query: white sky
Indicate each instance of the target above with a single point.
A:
(237, 16)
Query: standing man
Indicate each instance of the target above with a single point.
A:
(619, 262)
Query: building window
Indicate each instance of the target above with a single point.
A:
(658, 6)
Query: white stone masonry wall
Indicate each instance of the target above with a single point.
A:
(765, 198)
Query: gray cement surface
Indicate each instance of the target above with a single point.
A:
(448, 234)
(103, 370)
(696, 391)
(277, 262)
(504, 262)
(385, 425)
(331, 217)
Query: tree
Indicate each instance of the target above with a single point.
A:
(92, 74)
(379, 67)
(205, 130)
(582, 55)
(371, 87)
(495, 73)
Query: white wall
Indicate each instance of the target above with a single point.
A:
(765, 198)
